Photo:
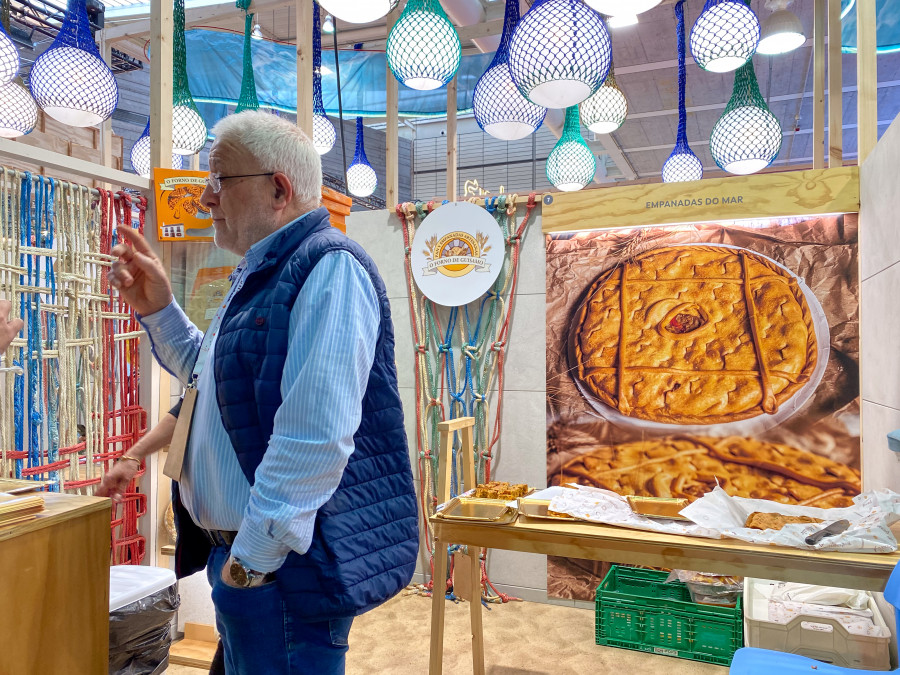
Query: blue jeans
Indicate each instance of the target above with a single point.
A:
(262, 638)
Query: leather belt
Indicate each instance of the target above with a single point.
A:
(220, 537)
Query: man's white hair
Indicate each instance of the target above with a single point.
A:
(277, 145)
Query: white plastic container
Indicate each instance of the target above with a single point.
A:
(816, 637)
(129, 583)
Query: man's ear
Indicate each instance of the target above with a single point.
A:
(284, 191)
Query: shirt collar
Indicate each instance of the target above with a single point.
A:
(258, 251)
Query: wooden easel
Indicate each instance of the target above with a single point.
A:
(464, 425)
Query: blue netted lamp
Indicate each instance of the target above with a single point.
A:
(9, 54)
(358, 11)
(559, 53)
(248, 99)
(571, 164)
(140, 155)
(725, 35)
(188, 127)
(747, 136)
(18, 111)
(69, 81)
(500, 109)
(361, 179)
(620, 7)
(682, 164)
(323, 130)
(423, 48)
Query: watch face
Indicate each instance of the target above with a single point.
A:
(239, 574)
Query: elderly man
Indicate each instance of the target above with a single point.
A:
(296, 490)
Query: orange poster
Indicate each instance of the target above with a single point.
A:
(180, 215)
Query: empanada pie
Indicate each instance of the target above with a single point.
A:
(711, 334)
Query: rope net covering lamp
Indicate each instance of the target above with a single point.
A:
(500, 108)
(361, 179)
(606, 110)
(323, 130)
(682, 165)
(781, 33)
(559, 53)
(140, 155)
(18, 111)
(73, 409)
(747, 136)
(9, 54)
(423, 48)
(69, 81)
(626, 7)
(725, 35)
(188, 128)
(571, 164)
(248, 99)
(358, 11)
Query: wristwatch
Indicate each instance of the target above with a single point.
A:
(245, 577)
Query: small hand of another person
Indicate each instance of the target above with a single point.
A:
(138, 274)
(116, 480)
(9, 328)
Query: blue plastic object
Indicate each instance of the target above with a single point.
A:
(754, 661)
(894, 440)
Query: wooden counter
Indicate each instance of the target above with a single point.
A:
(54, 576)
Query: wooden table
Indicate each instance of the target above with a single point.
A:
(54, 602)
(613, 544)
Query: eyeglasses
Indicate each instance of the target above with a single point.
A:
(215, 182)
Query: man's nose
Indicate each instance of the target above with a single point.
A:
(208, 198)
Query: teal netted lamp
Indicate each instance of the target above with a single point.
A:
(682, 165)
(423, 48)
(725, 35)
(606, 110)
(571, 164)
(248, 99)
(140, 155)
(323, 130)
(188, 128)
(747, 136)
(361, 179)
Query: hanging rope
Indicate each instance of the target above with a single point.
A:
(248, 99)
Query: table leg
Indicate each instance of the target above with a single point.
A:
(438, 601)
(475, 611)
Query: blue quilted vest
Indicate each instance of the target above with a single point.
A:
(365, 541)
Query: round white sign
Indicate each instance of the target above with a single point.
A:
(457, 254)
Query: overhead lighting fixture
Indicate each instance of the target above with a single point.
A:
(622, 7)
(361, 178)
(328, 25)
(423, 48)
(9, 57)
(781, 33)
(622, 20)
(140, 155)
(358, 11)
(606, 110)
(18, 111)
(188, 127)
(571, 164)
(256, 33)
(324, 135)
(682, 165)
(725, 35)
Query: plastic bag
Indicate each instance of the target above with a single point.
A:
(710, 589)
(140, 634)
(821, 595)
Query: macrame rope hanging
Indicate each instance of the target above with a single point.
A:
(448, 388)
(75, 397)
(324, 135)
(248, 99)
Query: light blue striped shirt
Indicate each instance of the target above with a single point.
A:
(333, 329)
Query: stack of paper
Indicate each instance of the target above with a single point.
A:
(14, 510)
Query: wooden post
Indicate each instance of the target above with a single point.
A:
(161, 23)
(835, 87)
(451, 141)
(305, 66)
(819, 84)
(106, 127)
(392, 141)
(866, 79)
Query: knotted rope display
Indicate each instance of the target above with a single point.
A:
(74, 395)
(459, 362)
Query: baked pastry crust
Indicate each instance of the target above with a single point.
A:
(775, 521)
(713, 335)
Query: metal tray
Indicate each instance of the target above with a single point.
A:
(471, 509)
(537, 508)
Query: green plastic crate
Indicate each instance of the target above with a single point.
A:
(637, 610)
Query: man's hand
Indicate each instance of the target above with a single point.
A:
(138, 274)
(116, 480)
(9, 328)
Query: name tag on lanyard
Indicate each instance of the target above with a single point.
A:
(181, 436)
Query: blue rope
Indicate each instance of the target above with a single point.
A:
(47, 241)
(19, 387)
(318, 106)
(35, 351)
(681, 142)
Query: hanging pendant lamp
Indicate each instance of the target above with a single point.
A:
(606, 110)
(500, 108)
(323, 130)
(559, 53)
(725, 35)
(423, 48)
(747, 136)
(69, 81)
(619, 7)
(571, 164)
(18, 111)
(682, 164)
(188, 128)
(140, 155)
(361, 179)
(781, 33)
(358, 11)
(9, 54)
(248, 99)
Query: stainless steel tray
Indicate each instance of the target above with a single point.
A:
(538, 508)
(471, 509)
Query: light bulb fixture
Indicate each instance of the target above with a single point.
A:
(69, 81)
(140, 155)
(188, 127)
(622, 20)
(747, 136)
(323, 130)
(423, 47)
(500, 109)
(781, 33)
(622, 7)
(328, 24)
(358, 11)
(18, 111)
(725, 35)
(606, 110)
(361, 179)
(248, 99)
(9, 54)
(682, 165)
(256, 33)
(571, 164)
(559, 53)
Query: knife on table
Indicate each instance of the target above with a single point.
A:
(834, 528)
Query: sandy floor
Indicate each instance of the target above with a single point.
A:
(523, 638)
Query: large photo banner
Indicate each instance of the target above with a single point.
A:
(683, 357)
